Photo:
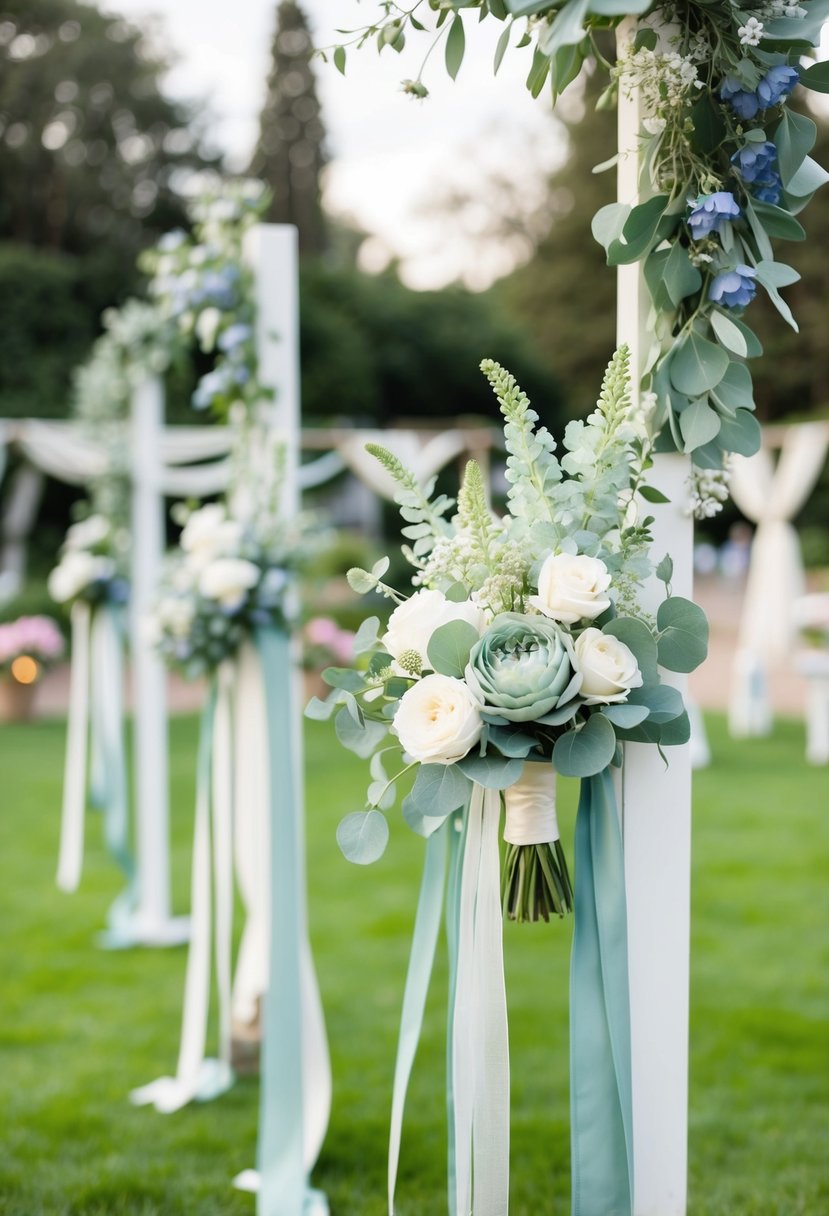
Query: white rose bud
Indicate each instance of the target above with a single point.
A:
(413, 622)
(608, 667)
(438, 720)
(571, 587)
(87, 533)
(228, 580)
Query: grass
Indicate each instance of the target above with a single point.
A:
(79, 1027)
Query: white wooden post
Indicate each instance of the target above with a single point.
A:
(656, 818)
(153, 924)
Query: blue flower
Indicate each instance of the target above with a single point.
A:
(233, 336)
(734, 288)
(210, 386)
(712, 212)
(775, 85)
(755, 162)
(769, 190)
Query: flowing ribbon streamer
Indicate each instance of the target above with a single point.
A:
(197, 1077)
(601, 1111)
(95, 725)
(70, 856)
(293, 1104)
(421, 962)
(480, 1040)
(457, 842)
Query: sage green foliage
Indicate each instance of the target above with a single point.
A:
(425, 521)
(81, 1026)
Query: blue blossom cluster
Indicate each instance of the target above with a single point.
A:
(734, 288)
(772, 89)
(712, 212)
(756, 165)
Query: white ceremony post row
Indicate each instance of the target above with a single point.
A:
(656, 811)
(153, 924)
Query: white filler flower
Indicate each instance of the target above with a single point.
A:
(608, 667)
(227, 580)
(438, 720)
(571, 587)
(413, 622)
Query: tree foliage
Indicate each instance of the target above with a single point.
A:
(90, 147)
(375, 352)
(290, 153)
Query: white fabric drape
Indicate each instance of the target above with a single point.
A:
(770, 497)
(422, 459)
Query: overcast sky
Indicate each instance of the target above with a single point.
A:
(389, 152)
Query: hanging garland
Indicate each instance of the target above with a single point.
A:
(725, 161)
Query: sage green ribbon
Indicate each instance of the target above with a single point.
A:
(601, 1114)
(283, 1186)
(108, 767)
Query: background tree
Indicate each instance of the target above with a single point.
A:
(290, 153)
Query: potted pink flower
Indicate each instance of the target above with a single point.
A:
(27, 646)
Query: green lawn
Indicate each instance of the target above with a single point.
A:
(79, 1027)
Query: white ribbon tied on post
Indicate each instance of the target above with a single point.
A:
(70, 857)
(480, 1063)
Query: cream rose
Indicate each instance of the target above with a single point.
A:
(571, 588)
(438, 720)
(76, 571)
(228, 580)
(87, 533)
(209, 534)
(608, 667)
(413, 622)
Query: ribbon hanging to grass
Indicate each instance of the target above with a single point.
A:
(95, 730)
(600, 1066)
(295, 1089)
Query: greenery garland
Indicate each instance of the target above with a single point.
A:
(725, 161)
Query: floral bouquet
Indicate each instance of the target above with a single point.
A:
(27, 645)
(92, 564)
(523, 651)
(227, 578)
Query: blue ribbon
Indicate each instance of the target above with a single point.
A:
(601, 1109)
(108, 769)
(457, 841)
(283, 1188)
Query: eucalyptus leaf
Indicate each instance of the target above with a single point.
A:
(735, 391)
(794, 138)
(363, 836)
(440, 788)
(423, 825)
(512, 742)
(449, 647)
(816, 77)
(455, 46)
(741, 434)
(661, 702)
(362, 740)
(366, 636)
(491, 771)
(697, 365)
(729, 334)
(320, 711)
(665, 569)
(683, 639)
(586, 751)
(625, 714)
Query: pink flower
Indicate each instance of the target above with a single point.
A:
(322, 631)
(35, 635)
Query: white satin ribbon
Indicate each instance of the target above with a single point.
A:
(480, 1064)
(70, 856)
(530, 806)
(197, 1077)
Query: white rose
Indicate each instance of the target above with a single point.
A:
(176, 615)
(438, 720)
(413, 622)
(608, 667)
(209, 534)
(228, 580)
(206, 326)
(87, 533)
(75, 572)
(571, 588)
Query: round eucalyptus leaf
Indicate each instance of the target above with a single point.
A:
(363, 836)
